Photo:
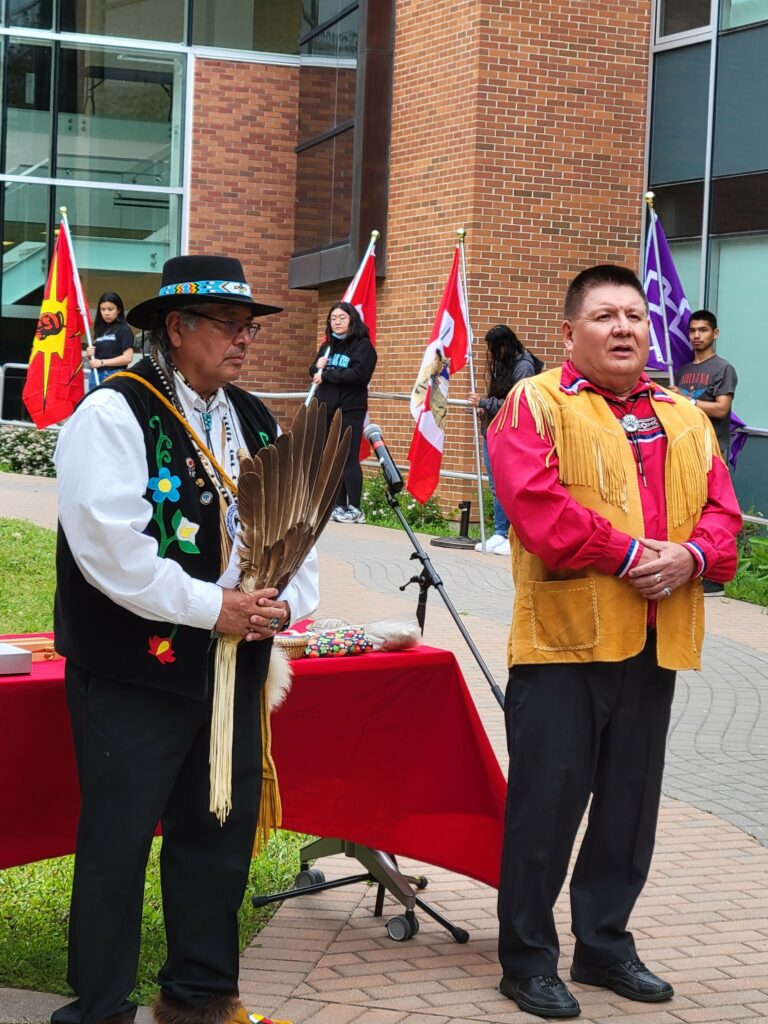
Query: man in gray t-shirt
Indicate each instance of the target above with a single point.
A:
(709, 381)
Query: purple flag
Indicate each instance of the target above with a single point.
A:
(738, 438)
(678, 311)
(678, 314)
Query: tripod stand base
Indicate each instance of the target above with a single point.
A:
(453, 542)
(380, 868)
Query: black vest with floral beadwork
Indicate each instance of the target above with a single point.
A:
(100, 636)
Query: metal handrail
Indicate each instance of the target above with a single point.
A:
(449, 474)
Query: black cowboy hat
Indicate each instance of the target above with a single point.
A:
(192, 281)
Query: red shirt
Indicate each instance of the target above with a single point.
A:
(565, 535)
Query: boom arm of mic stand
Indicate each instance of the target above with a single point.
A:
(430, 578)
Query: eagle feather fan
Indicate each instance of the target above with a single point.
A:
(285, 493)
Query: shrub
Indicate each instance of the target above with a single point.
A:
(27, 450)
(426, 518)
(751, 580)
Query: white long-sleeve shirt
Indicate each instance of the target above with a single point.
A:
(102, 477)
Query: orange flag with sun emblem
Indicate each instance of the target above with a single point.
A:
(54, 382)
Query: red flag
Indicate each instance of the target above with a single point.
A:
(361, 293)
(54, 382)
(445, 354)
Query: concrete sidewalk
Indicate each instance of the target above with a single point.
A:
(702, 920)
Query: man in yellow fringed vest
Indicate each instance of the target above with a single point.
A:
(147, 472)
(619, 501)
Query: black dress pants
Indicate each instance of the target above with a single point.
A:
(573, 730)
(142, 757)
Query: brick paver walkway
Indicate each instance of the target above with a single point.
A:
(703, 917)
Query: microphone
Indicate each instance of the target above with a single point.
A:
(374, 437)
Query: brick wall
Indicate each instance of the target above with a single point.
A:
(243, 201)
(525, 123)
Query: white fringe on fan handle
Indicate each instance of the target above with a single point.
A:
(222, 717)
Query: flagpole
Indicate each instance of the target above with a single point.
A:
(462, 232)
(650, 199)
(375, 236)
(76, 276)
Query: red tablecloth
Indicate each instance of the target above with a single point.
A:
(386, 750)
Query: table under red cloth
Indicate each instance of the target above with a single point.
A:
(385, 750)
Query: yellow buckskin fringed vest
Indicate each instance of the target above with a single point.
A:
(585, 615)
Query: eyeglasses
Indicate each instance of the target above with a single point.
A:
(230, 327)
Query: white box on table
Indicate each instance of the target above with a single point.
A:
(14, 661)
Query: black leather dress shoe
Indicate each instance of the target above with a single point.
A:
(631, 979)
(544, 994)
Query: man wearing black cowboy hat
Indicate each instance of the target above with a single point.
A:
(146, 469)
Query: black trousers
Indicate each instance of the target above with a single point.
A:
(351, 489)
(573, 730)
(142, 757)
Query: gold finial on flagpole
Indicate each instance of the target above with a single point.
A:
(63, 211)
(649, 198)
(461, 232)
(375, 235)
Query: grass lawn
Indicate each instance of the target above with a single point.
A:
(34, 898)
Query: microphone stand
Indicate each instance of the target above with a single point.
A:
(381, 867)
(429, 578)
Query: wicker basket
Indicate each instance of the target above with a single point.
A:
(292, 645)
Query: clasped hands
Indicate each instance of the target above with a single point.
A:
(255, 616)
(663, 567)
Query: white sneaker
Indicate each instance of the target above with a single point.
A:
(354, 515)
(503, 548)
(340, 514)
(491, 543)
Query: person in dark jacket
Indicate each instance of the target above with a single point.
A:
(508, 361)
(342, 370)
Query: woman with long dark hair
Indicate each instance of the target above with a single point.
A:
(507, 362)
(342, 370)
(112, 348)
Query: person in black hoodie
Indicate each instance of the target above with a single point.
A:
(342, 370)
(508, 362)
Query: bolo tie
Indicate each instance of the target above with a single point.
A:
(630, 424)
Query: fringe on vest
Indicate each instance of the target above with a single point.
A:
(690, 459)
(589, 454)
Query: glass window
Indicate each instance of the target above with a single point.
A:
(739, 204)
(687, 257)
(28, 109)
(682, 16)
(318, 84)
(341, 210)
(271, 26)
(679, 114)
(738, 270)
(336, 40)
(317, 12)
(327, 96)
(120, 117)
(680, 208)
(121, 239)
(741, 138)
(131, 19)
(743, 12)
(25, 246)
(29, 13)
(324, 185)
